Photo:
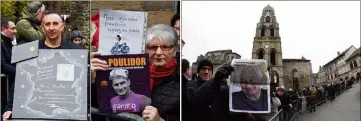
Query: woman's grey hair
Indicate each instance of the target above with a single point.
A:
(244, 72)
(161, 32)
(251, 69)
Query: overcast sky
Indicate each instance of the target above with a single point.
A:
(315, 30)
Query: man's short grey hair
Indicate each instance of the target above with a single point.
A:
(161, 32)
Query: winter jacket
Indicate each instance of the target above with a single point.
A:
(186, 114)
(6, 52)
(28, 28)
(197, 112)
(166, 97)
(285, 101)
(8, 68)
(209, 101)
(293, 96)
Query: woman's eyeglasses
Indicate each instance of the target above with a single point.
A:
(163, 47)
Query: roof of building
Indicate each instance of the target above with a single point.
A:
(338, 56)
(220, 51)
(354, 54)
(302, 59)
(268, 7)
(227, 51)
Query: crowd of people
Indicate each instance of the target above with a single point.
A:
(205, 96)
(47, 27)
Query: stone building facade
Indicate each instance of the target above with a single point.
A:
(354, 61)
(297, 73)
(315, 76)
(341, 64)
(339, 68)
(291, 73)
(217, 58)
(321, 76)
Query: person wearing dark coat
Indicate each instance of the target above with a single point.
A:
(293, 97)
(7, 37)
(285, 102)
(214, 93)
(175, 23)
(333, 89)
(185, 79)
(205, 71)
(76, 37)
(29, 24)
(211, 97)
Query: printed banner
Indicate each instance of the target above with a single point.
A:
(125, 86)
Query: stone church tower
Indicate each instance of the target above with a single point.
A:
(267, 45)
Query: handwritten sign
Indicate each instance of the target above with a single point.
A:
(52, 86)
(130, 26)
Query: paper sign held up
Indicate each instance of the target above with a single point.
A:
(122, 32)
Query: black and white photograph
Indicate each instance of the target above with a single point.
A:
(126, 100)
(249, 89)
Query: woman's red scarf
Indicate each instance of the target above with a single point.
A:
(157, 74)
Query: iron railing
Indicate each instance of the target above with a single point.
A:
(300, 106)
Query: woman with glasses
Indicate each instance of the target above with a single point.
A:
(161, 41)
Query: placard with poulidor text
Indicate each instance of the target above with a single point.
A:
(125, 86)
(122, 32)
(52, 86)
